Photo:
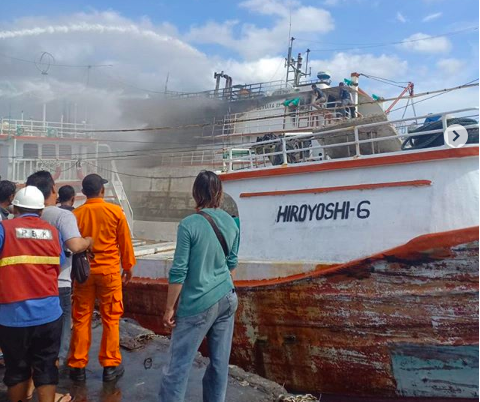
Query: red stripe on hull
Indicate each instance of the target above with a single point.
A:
(380, 160)
(334, 331)
(319, 190)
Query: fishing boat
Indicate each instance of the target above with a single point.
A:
(358, 264)
(69, 151)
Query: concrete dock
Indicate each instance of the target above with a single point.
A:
(143, 367)
(144, 355)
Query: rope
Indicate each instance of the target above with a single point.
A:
(298, 398)
(140, 176)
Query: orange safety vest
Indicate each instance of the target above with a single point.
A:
(29, 260)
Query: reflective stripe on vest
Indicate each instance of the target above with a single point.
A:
(29, 259)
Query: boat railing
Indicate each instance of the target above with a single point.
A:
(281, 119)
(40, 128)
(308, 148)
(236, 92)
(200, 157)
(63, 170)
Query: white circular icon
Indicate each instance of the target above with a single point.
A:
(455, 136)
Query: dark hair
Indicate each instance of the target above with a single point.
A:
(23, 210)
(66, 193)
(92, 184)
(43, 180)
(314, 86)
(207, 190)
(7, 189)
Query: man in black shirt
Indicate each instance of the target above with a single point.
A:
(7, 192)
(66, 197)
(319, 97)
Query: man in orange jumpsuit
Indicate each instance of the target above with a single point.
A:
(107, 225)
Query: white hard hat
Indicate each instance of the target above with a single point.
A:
(29, 197)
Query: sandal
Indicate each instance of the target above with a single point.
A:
(62, 396)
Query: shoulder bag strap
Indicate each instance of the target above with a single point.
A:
(215, 228)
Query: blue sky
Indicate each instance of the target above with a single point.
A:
(145, 40)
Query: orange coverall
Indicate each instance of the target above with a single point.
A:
(107, 225)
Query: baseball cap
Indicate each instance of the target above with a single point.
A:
(92, 184)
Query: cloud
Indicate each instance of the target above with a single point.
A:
(253, 42)
(424, 43)
(261, 70)
(270, 7)
(432, 17)
(341, 65)
(450, 66)
(401, 18)
(143, 53)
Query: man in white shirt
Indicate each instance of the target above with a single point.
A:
(66, 223)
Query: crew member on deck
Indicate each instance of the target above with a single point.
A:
(319, 97)
(346, 99)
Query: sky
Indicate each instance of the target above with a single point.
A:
(132, 46)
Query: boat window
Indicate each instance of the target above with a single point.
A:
(65, 151)
(30, 150)
(49, 151)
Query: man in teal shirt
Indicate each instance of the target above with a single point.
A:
(201, 276)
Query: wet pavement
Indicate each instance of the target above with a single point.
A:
(144, 360)
(143, 369)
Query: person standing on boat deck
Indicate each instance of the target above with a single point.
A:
(346, 99)
(66, 197)
(107, 225)
(66, 224)
(319, 97)
(7, 192)
(201, 276)
(30, 313)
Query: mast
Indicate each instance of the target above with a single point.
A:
(288, 60)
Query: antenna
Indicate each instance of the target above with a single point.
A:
(288, 60)
(166, 82)
(290, 45)
(43, 64)
(306, 64)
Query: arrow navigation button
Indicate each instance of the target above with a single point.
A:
(455, 136)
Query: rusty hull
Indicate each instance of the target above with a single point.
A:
(347, 333)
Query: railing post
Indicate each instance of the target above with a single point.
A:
(284, 151)
(444, 127)
(230, 160)
(357, 145)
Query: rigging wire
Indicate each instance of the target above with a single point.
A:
(140, 176)
(374, 45)
(434, 96)
(131, 85)
(55, 64)
(221, 122)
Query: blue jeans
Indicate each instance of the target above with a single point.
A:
(216, 323)
(66, 305)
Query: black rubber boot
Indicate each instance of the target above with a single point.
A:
(112, 373)
(78, 374)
